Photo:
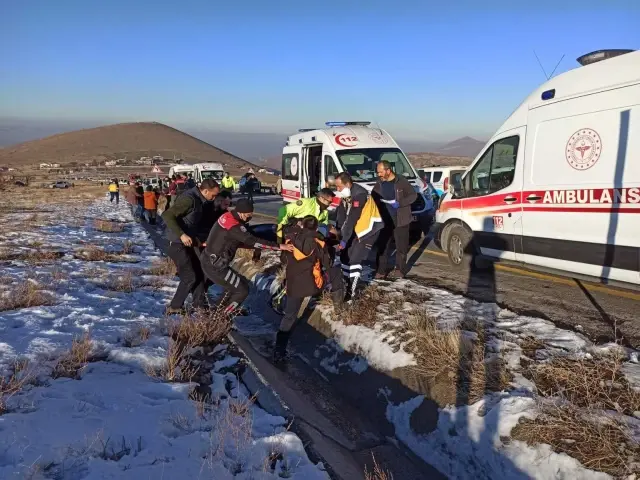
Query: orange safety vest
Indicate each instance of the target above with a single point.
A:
(317, 267)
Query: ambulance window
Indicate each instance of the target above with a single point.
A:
(496, 168)
(290, 166)
(426, 176)
(437, 176)
(330, 169)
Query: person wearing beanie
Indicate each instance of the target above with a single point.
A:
(227, 235)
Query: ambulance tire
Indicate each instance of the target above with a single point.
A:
(460, 248)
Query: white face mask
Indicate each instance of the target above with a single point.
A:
(344, 193)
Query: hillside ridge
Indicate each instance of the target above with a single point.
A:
(114, 141)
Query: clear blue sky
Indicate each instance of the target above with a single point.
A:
(430, 70)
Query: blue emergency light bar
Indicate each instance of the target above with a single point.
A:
(344, 124)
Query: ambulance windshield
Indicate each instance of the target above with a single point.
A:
(361, 162)
(214, 174)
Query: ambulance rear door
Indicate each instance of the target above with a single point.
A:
(292, 173)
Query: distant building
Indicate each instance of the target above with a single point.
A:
(55, 165)
(262, 170)
(45, 165)
(110, 163)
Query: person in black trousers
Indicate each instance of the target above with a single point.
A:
(228, 235)
(308, 271)
(183, 219)
(394, 195)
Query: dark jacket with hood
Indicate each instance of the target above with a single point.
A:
(300, 276)
(184, 215)
(211, 212)
(405, 196)
(227, 235)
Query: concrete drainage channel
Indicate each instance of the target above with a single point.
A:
(341, 418)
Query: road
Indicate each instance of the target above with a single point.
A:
(601, 312)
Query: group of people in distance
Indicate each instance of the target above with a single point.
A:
(204, 234)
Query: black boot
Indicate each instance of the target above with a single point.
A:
(280, 349)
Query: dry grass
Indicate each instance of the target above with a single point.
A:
(20, 376)
(129, 282)
(108, 226)
(97, 254)
(177, 366)
(24, 295)
(128, 247)
(598, 442)
(597, 383)
(456, 366)
(164, 267)
(378, 473)
(136, 336)
(32, 257)
(363, 309)
(530, 345)
(71, 363)
(202, 328)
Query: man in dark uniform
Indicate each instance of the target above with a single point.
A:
(227, 235)
(359, 222)
(183, 219)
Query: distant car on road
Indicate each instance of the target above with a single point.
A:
(61, 184)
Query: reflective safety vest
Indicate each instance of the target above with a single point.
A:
(114, 187)
(300, 209)
(318, 278)
(228, 182)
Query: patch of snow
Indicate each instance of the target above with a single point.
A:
(467, 442)
(116, 422)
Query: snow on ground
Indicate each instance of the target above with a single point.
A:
(469, 442)
(116, 422)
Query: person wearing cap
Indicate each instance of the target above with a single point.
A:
(315, 206)
(182, 220)
(228, 235)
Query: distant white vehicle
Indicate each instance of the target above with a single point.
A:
(202, 171)
(441, 177)
(181, 169)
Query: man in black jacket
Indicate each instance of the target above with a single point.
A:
(394, 196)
(227, 235)
(359, 227)
(183, 219)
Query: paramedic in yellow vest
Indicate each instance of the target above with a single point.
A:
(114, 191)
(308, 272)
(359, 223)
(315, 206)
(228, 183)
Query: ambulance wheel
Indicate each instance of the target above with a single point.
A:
(460, 247)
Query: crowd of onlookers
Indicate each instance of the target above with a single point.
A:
(148, 201)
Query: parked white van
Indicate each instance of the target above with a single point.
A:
(182, 169)
(312, 158)
(558, 186)
(441, 177)
(207, 170)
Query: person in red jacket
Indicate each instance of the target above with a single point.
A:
(228, 235)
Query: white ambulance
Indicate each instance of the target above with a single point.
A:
(312, 158)
(202, 171)
(182, 169)
(558, 186)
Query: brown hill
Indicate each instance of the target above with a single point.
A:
(131, 140)
(428, 159)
